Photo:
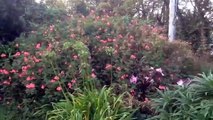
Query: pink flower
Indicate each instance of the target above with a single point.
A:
(4, 71)
(103, 41)
(124, 76)
(69, 85)
(108, 66)
(146, 100)
(22, 74)
(98, 17)
(25, 68)
(118, 68)
(38, 46)
(42, 86)
(120, 36)
(180, 82)
(97, 37)
(28, 78)
(19, 106)
(147, 47)
(109, 40)
(108, 23)
(62, 73)
(75, 57)
(40, 70)
(59, 88)
(17, 54)
(52, 27)
(160, 71)
(92, 11)
(6, 82)
(132, 57)
(72, 36)
(33, 32)
(49, 47)
(114, 40)
(26, 53)
(146, 78)
(26, 60)
(161, 87)
(30, 86)
(56, 78)
(133, 79)
(93, 75)
(132, 92)
(131, 37)
(36, 60)
(3, 55)
(73, 81)
(103, 19)
(52, 81)
(17, 45)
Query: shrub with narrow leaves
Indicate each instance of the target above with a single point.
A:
(192, 101)
(91, 105)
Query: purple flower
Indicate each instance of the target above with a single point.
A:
(160, 71)
(180, 82)
(133, 79)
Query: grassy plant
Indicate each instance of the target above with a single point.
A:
(203, 86)
(192, 102)
(90, 105)
(2, 113)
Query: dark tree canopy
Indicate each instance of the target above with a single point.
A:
(11, 20)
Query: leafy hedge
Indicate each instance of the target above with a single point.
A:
(112, 50)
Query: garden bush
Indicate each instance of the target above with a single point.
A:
(33, 76)
(109, 49)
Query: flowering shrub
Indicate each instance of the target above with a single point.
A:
(40, 70)
(109, 49)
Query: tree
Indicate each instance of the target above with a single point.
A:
(13, 18)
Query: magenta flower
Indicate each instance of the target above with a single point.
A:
(160, 71)
(133, 57)
(161, 87)
(59, 88)
(133, 79)
(30, 86)
(180, 82)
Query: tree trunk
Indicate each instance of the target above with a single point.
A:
(172, 19)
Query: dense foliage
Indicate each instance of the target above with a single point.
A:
(66, 46)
